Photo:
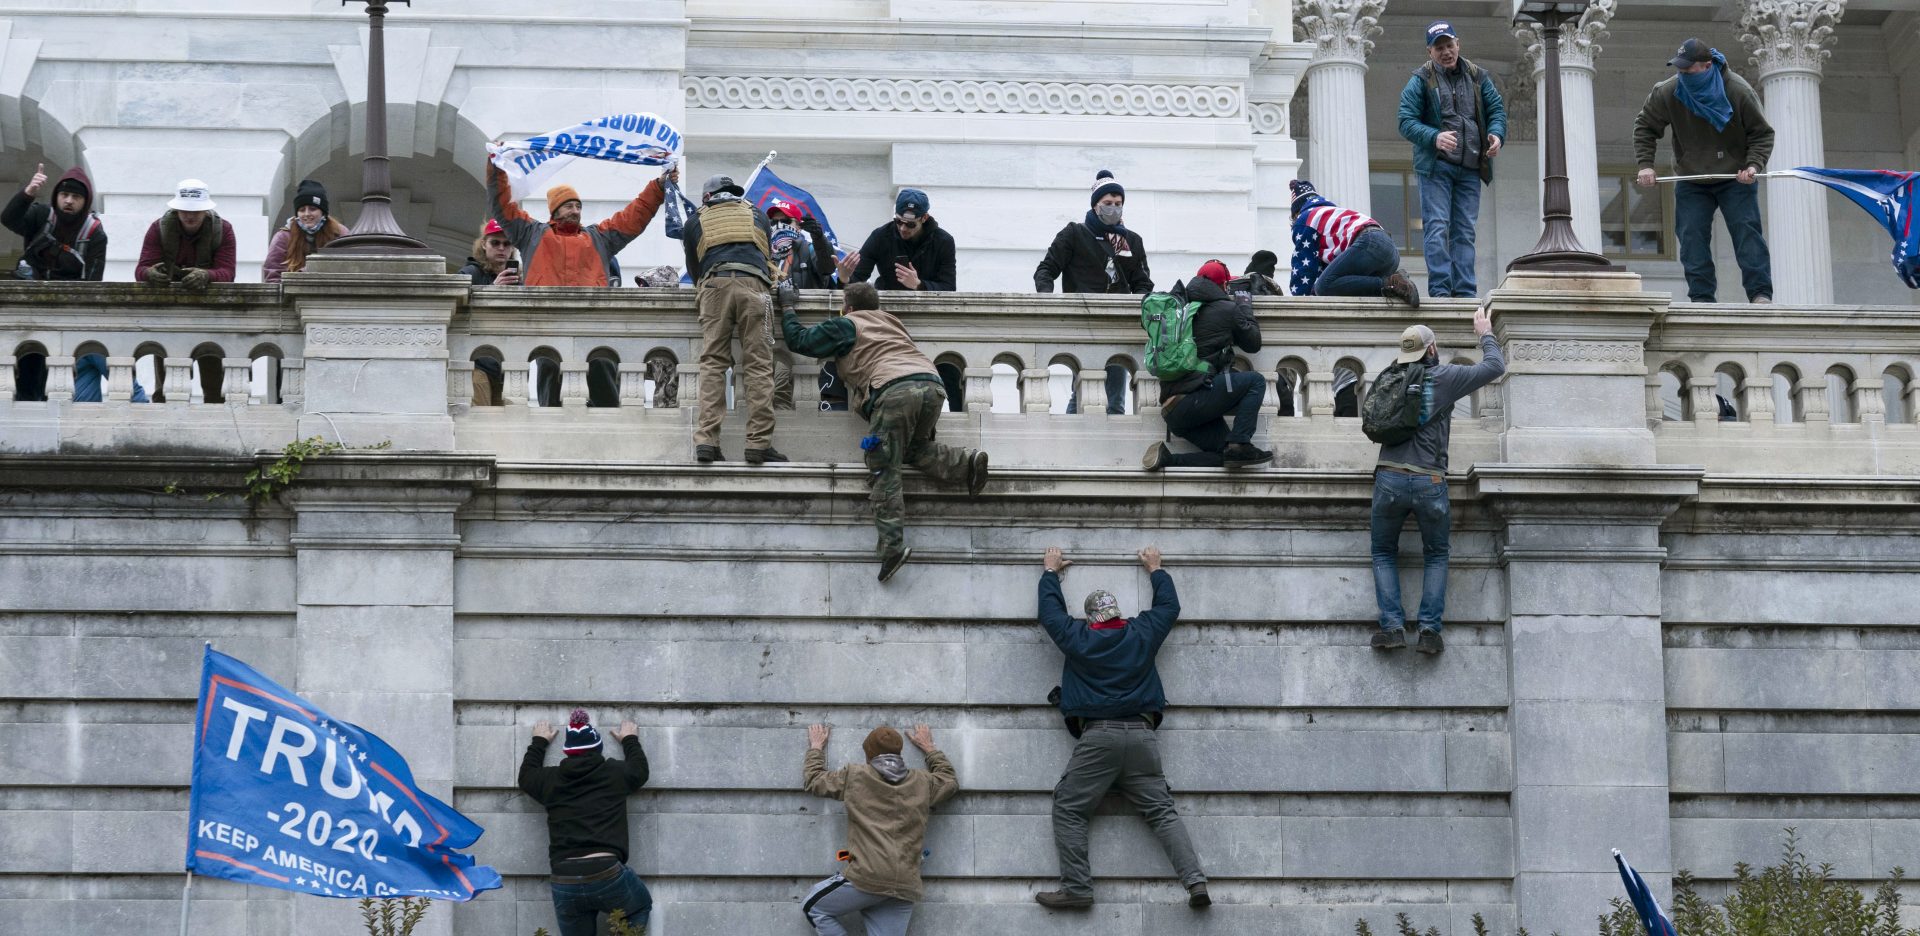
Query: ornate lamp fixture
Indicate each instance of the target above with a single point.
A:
(377, 231)
(1559, 248)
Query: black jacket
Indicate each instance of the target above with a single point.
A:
(1223, 323)
(932, 256)
(49, 254)
(478, 272)
(585, 797)
(813, 269)
(1079, 259)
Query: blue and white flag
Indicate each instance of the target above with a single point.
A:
(286, 796)
(764, 186)
(1885, 194)
(635, 139)
(1651, 916)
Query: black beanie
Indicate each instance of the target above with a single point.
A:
(1104, 185)
(312, 193)
(1263, 263)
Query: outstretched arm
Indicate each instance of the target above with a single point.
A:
(817, 779)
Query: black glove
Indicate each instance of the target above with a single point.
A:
(1042, 285)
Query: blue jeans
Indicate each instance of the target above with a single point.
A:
(1693, 206)
(1200, 417)
(1362, 269)
(1395, 495)
(578, 906)
(1449, 210)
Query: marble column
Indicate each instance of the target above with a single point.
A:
(1579, 46)
(1340, 32)
(1789, 39)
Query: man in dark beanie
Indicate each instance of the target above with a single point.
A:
(910, 252)
(1110, 694)
(1341, 252)
(311, 228)
(65, 239)
(1258, 278)
(1097, 254)
(586, 800)
(887, 809)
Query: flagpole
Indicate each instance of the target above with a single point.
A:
(1722, 176)
(755, 174)
(186, 901)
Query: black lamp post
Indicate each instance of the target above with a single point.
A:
(377, 231)
(1559, 248)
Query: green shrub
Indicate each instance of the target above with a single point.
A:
(393, 916)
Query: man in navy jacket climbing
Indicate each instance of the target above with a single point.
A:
(1110, 694)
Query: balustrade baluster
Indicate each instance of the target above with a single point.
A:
(1702, 397)
(1036, 390)
(1320, 394)
(633, 386)
(1093, 391)
(1146, 393)
(293, 383)
(7, 364)
(1759, 399)
(1812, 392)
(59, 379)
(119, 386)
(180, 386)
(236, 383)
(515, 391)
(1868, 405)
(979, 384)
(573, 383)
(459, 385)
(806, 385)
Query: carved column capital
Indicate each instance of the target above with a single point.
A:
(1789, 35)
(1340, 30)
(1579, 40)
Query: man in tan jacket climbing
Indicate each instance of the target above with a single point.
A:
(887, 808)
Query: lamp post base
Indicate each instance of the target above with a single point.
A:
(1580, 261)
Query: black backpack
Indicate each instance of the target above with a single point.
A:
(1391, 413)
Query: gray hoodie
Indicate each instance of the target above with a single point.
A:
(1449, 383)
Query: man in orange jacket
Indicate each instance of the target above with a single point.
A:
(562, 251)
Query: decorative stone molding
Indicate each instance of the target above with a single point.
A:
(1579, 42)
(380, 336)
(1340, 30)
(1521, 93)
(1269, 118)
(1577, 352)
(1298, 118)
(939, 95)
(1789, 35)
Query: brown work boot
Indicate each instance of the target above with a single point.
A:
(1061, 900)
(707, 454)
(1400, 286)
(762, 456)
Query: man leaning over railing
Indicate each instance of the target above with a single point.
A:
(190, 245)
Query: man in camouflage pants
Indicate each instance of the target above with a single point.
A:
(897, 388)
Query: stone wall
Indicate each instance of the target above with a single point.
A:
(1670, 636)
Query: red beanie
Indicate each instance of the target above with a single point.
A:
(1216, 271)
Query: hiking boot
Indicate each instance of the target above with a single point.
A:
(1156, 457)
(1061, 900)
(1390, 639)
(1197, 896)
(1430, 643)
(1244, 455)
(892, 563)
(762, 456)
(1400, 286)
(707, 454)
(976, 474)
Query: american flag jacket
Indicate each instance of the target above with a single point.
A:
(1321, 231)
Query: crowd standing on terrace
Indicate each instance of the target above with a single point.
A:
(747, 263)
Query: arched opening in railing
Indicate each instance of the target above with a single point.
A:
(1840, 408)
(89, 372)
(1729, 390)
(209, 372)
(266, 360)
(150, 369)
(1676, 404)
(603, 377)
(489, 376)
(1121, 374)
(953, 375)
(1349, 378)
(1007, 371)
(1063, 384)
(1786, 398)
(662, 381)
(30, 371)
(1292, 386)
(1893, 395)
(543, 377)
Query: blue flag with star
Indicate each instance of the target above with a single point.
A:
(1889, 197)
(285, 795)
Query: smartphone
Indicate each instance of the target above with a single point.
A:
(514, 264)
(903, 261)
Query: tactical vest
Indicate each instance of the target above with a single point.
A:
(730, 222)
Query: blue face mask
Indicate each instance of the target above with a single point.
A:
(1705, 93)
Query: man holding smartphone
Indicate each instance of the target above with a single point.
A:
(910, 252)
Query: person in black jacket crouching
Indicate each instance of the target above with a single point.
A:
(1195, 407)
(586, 800)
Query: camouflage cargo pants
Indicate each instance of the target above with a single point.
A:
(904, 418)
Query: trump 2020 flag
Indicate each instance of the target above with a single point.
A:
(1651, 916)
(764, 186)
(1888, 196)
(286, 796)
(636, 139)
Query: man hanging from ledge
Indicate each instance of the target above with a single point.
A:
(887, 809)
(1110, 694)
(189, 245)
(896, 388)
(586, 801)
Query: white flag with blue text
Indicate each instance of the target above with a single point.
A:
(635, 139)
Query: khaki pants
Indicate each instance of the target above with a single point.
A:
(735, 307)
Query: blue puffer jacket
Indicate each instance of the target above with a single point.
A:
(1109, 671)
(1420, 114)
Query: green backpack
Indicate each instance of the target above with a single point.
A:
(1168, 319)
(1391, 413)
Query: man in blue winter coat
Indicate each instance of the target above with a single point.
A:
(1110, 693)
(1452, 114)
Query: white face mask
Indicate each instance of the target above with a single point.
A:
(313, 228)
(1108, 214)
